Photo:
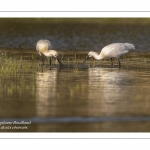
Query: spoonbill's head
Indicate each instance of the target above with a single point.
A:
(54, 53)
(57, 56)
(90, 54)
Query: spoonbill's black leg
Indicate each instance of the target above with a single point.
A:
(42, 60)
(119, 63)
(111, 61)
(50, 62)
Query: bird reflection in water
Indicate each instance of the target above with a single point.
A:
(108, 89)
(46, 84)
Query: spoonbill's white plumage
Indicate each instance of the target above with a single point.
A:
(43, 47)
(111, 51)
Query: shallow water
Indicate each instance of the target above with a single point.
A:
(95, 98)
(100, 99)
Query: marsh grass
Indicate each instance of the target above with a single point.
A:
(31, 63)
(17, 63)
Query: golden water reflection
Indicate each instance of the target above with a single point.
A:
(46, 90)
(92, 92)
(117, 92)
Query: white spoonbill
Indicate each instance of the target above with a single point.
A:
(111, 51)
(43, 47)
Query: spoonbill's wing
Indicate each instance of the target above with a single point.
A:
(116, 49)
(43, 45)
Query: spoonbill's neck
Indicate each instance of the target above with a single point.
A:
(48, 53)
(97, 56)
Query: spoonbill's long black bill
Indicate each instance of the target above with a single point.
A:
(84, 60)
(60, 63)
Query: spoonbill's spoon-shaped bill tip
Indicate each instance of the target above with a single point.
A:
(85, 59)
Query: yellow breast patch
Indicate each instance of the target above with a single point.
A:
(42, 50)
